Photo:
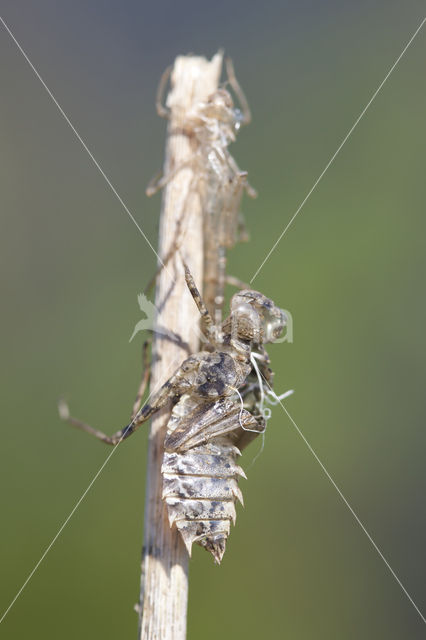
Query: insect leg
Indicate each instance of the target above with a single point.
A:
(171, 252)
(163, 112)
(242, 176)
(177, 241)
(146, 374)
(172, 388)
(159, 181)
(64, 414)
(141, 416)
(250, 191)
(205, 315)
(236, 282)
(245, 109)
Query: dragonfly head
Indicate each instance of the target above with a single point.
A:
(256, 318)
(220, 108)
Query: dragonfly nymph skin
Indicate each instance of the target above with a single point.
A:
(214, 417)
(200, 489)
(200, 483)
(212, 125)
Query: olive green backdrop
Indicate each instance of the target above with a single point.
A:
(351, 269)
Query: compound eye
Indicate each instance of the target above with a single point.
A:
(275, 326)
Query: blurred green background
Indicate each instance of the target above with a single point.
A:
(351, 269)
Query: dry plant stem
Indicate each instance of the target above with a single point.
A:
(164, 580)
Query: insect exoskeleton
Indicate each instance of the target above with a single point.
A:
(200, 472)
(218, 410)
(205, 436)
(212, 125)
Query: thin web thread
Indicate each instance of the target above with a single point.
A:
(330, 162)
(74, 509)
(352, 510)
(84, 145)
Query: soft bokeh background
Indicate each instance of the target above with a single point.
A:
(351, 269)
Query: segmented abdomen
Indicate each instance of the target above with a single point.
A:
(200, 487)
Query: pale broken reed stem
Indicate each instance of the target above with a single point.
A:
(164, 580)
